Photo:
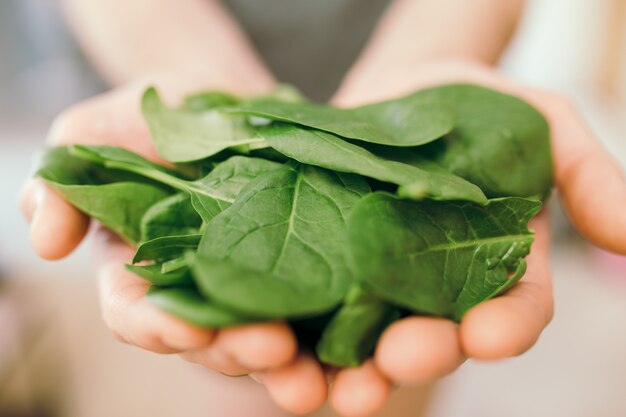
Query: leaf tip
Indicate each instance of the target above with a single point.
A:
(150, 99)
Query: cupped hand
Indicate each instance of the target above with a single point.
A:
(592, 188)
(57, 228)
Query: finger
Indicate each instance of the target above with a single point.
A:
(510, 324)
(216, 359)
(27, 200)
(359, 391)
(248, 348)
(128, 313)
(419, 349)
(299, 387)
(259, 346)
(590, 182)
(57, 228)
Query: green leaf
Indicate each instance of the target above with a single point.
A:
(187, 304)
(225, 183)
(499, 143)
(182, 135)
(209, 100)
(209, 195)
(117, 205)
(114, 157)
(228, 178)
(166, 247)
(155, 275)
(439, 258)
(352, 333)
(280, 249)
(409, 121)
(171, 216)
(322, 149)
(175, 264)
(287, 93)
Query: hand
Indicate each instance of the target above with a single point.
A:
(417, 350)
(57, 229)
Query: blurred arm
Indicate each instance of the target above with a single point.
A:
(416, 31)
(195, 39)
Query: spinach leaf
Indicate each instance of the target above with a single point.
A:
(209, 100)
(155, 275)
(439, 258)
(225, 183)
(182, 135)
(280, 249)
(117, 205)
(175, 264)
(351, 335)
(166, 247)
(322, 149)
(287, 93)
(186, 303)
(499, 143)
(409, 121)
(116, 158)
(209, 195)
(228, 178)
(171, 216)
(207, 201)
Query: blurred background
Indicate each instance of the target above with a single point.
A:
(57, 358)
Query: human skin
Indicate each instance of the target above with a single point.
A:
(415, 350)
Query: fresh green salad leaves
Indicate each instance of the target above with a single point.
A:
(286, 233)
(182, 135)
(114, 198)
(187, 303)
(351, 335)
(410, 121)
(325, 150)
(171, 216)
(339, 221)
(439, 258)
(500, 143)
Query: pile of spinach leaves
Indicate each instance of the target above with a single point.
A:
(337, 220)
